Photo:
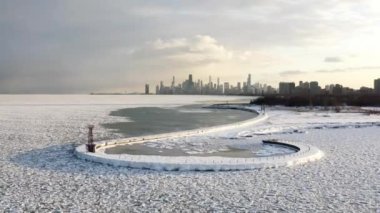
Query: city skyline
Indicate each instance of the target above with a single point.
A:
(210, 87)
(250, 87)
(89, 46)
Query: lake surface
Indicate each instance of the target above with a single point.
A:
(156, 120)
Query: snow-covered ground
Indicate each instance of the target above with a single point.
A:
(40, 173)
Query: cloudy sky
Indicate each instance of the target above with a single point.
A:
(79, 46)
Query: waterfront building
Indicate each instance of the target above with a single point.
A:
(161, 86)
(157, 89)
(329, 89)
(188, 86)
(348, 91)
(173, 86)
(315, 89)
(366, 90)
(270, 90)
(286, 88)
(226, 87)
(337, 89)
(377, 86)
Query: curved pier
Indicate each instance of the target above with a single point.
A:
(305, 153)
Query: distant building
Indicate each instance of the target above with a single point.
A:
(304, 85)
(226, 87)
(366, 90)
(146, 89)
(270, 90)
(161, 86)
(188, 86)
(157, 89)
(173, 82)
(348, 91)
(337, 89)
(218, 87)
(377, 86)
(249, 80)
(286, 88)
(314, 88)
(329, 89)
(303, 89)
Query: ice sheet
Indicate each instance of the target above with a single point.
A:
(40, 173)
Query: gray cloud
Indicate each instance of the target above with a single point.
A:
(333, 59)
(349, 69)
(184, 52)
(291, 73)
(86, 45)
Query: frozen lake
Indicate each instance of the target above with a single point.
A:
(40, 173)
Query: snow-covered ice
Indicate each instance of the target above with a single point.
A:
(40, 173)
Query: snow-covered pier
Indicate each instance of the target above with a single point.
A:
(305, 153)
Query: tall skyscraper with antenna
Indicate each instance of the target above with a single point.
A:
(249, 81)
(173, 82)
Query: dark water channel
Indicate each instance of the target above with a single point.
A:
(156, 120)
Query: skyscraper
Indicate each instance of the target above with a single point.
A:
(173, 82)
(173, 85)
(161, 86)
(249, 83)
(146, 89)
(188, 86)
